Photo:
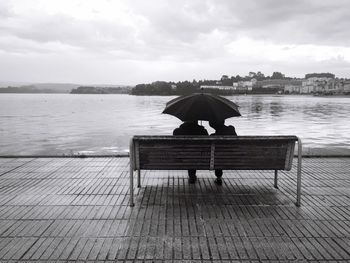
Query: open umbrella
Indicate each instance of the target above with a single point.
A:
(201, 106)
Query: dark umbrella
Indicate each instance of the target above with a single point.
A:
(201, 106)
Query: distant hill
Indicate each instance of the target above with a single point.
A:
(5, 84)
(57, 87)
(23, 87)
(101, 90)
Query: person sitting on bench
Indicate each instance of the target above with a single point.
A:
(191, 128)
(221, 129)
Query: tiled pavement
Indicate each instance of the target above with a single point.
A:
(70, 209)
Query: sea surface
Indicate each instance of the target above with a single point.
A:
(64, 124)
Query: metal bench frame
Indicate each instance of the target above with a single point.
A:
(135, 156)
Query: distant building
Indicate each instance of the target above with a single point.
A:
(281, 83)
(216, 87)
(244, 85)
(346, 87)
(318, 85)
(292, 89)
(307, 87)
(342, 86)
(278, 86)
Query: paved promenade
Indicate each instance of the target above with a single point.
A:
(74, 209)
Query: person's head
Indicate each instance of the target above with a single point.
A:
(217, 124)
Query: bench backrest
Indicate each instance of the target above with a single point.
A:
(212, 152)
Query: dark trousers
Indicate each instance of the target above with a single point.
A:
(191, 173)
(218, 173)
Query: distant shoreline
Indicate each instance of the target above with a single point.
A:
(171, 95)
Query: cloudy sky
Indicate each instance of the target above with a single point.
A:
(138, 41)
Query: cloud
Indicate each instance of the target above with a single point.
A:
(68, 30)
(179, 38)
(293, 22)
(5, 10)
(167, 26)
(183, 21)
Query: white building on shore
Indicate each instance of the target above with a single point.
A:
(217, 87)
(343, 86)
(244, 85)
(292, 89)
(318, 85)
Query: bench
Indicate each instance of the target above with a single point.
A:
(213, 152)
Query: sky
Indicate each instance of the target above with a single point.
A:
(138, 41)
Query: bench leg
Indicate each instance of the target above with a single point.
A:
(299, 173)
(131, 186)
(276, 178)
(138, 178)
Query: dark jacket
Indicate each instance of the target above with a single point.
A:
(190, 129)
(226, 130)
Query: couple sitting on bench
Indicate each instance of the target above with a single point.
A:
(192, 128)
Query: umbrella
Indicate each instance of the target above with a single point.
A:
(201, 106)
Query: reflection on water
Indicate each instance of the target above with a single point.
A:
(66, 124)
(276, 109)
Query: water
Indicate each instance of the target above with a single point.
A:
(62, 124)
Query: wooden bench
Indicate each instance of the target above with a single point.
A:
(213, 152)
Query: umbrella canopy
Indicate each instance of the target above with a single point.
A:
(201, 106)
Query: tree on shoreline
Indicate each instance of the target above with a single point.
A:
(188, 87)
